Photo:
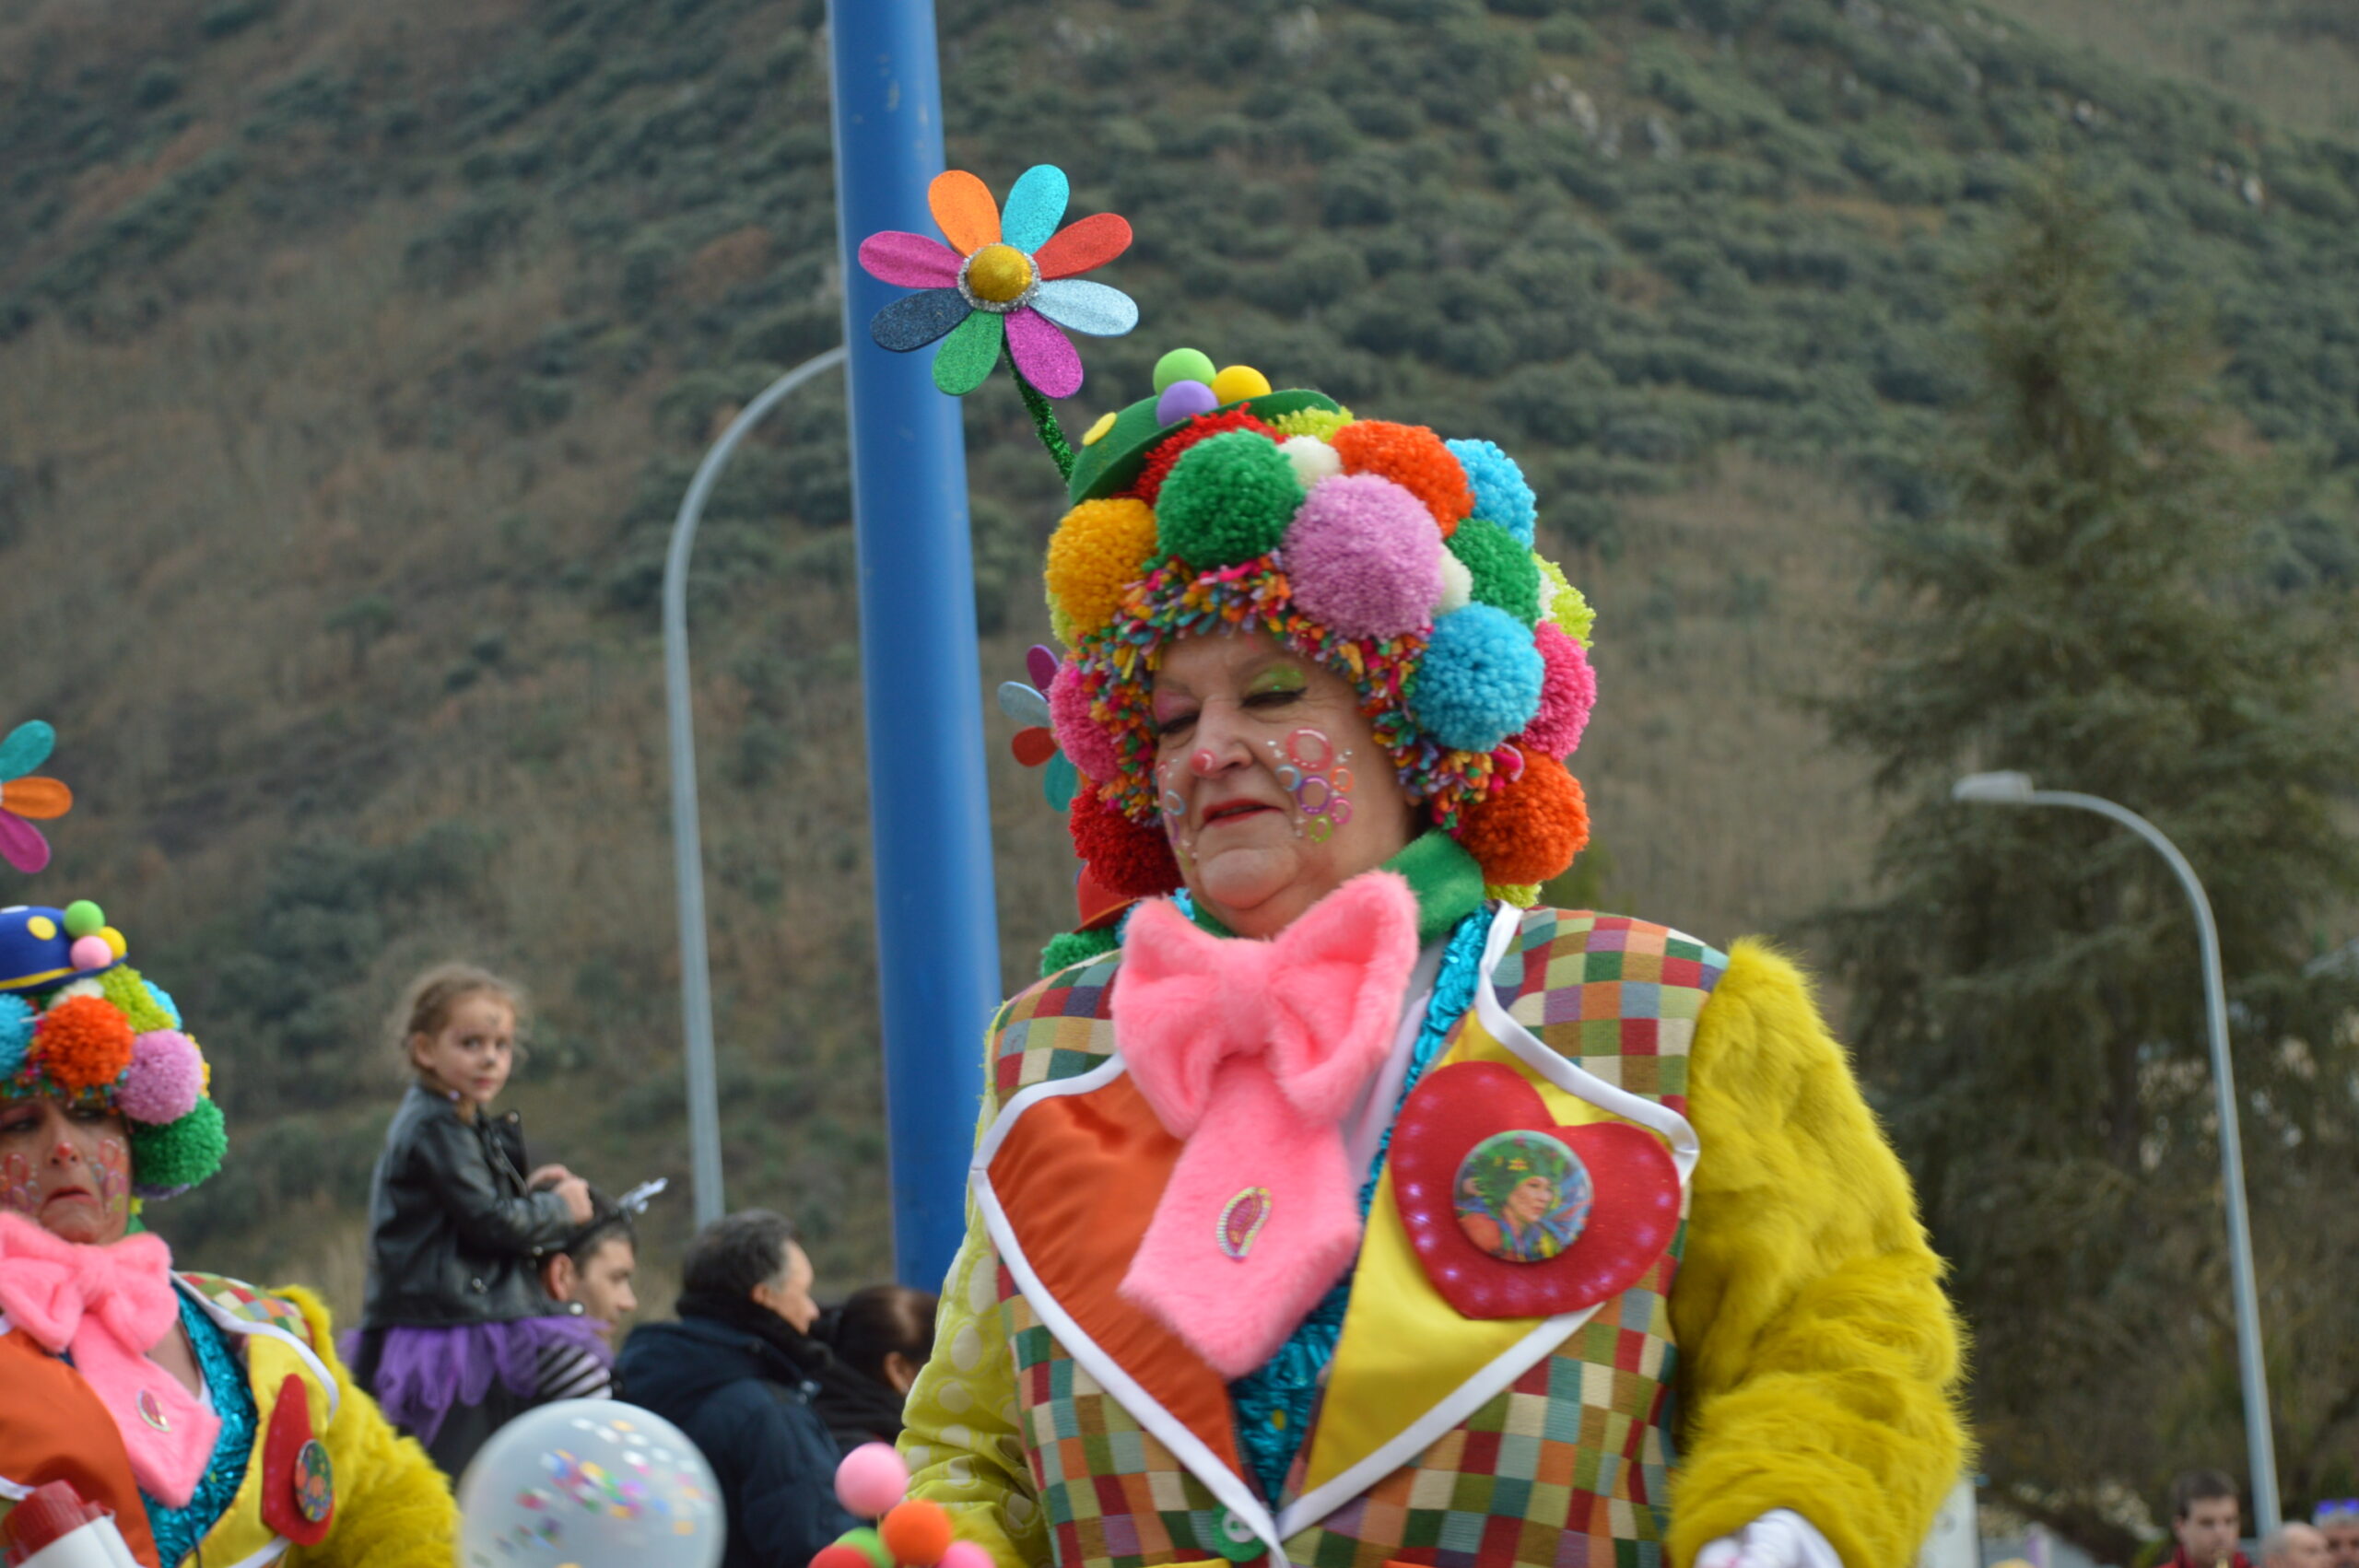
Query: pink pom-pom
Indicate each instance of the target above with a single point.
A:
(965, 1555)
(89, 952)
(166, 1078)
(1567, 693)
(871, 1481)
(1083, 740)
(1363, 557)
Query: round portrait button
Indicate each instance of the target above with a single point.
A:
(1523, 1197)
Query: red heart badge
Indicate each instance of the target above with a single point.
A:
(1514, 1214)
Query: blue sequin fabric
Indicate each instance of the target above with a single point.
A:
(1273, 1404)
(178, 1530)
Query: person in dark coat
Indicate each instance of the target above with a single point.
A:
(738, 1373)
(882, 1336)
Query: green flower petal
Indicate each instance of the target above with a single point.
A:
(968, 355)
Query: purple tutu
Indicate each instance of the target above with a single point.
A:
(422, 1373)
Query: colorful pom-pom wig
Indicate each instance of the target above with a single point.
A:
(1399, 561)
(80, 1024)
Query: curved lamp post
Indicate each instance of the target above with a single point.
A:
(687, 839)
(2016, 789)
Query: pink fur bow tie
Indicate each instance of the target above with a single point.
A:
(1253, 1052)
(108, 1307)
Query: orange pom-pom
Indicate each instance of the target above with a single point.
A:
(1149, 484)
(82, 1042)
(1530, 830)
(1414, 457)
(917, 1533)
(1128, 860)
(1094, 555)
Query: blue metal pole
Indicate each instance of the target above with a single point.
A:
(937, 940)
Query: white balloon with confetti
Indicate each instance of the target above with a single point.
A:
(588, 1484)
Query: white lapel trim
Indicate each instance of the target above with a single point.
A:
(1226, 1485)
(230, 1323)
(1471, 1396)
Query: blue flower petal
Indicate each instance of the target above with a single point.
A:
(1082, 306)
(1035, 207)
(26, 748)
(915, 320)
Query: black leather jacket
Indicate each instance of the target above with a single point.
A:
(453, 1236)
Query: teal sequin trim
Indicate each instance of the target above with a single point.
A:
(178, 1530)
(1273, 1404)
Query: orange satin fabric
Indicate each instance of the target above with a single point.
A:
(53, 1428)
(1078, 1176)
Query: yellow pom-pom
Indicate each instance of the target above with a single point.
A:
(1060, 626)
(1238, 383)
(1097, 552)
(114, 941)
(1096, 432)
(1317, 422)
(1523, 894)
(1563, 603)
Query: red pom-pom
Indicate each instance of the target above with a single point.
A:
(1149, 484)
(1128, 860)
(1414, 457)
(82, 1042)
(1530, 830)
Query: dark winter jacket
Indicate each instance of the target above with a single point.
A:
(746, 1403)
(453, 1236)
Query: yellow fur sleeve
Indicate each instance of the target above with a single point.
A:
(1819, 1359)
(960, 1435)
(392, 1507)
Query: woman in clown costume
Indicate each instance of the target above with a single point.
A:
(1215, 1300)
(212, 1420)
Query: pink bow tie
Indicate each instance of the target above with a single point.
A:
(1254, 1052)
(108, 1307)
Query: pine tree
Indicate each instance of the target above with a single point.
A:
(2092, 609)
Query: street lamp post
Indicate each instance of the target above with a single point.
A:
(2016, 789)
(687, 839)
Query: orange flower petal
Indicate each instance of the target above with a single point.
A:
(36, 798)
(963, 207)
(1090, 242)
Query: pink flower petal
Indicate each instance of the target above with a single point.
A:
(911, 260)
(1044, 354)
(22, 846)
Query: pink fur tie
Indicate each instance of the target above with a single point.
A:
(108, 1305)
(1253, 1052)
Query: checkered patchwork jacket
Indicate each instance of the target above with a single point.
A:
(1437, 1439)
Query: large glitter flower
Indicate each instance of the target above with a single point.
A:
(27, 748)
(1007, 280)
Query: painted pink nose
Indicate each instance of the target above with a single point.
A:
(1203, 763)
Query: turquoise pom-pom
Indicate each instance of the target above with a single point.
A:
(163, 999)
(1229, 500)
(1501, 492)
(16, 1034)
(1479, 681)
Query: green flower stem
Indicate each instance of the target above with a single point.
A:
(1044, 418)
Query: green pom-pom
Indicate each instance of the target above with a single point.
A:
(1504, 577)
(122, 986)
(1229, 500)
(869, 1542)
(83, 919)
(1182, 365)
(1077, 947)
(178, 1153)
(1320, 422)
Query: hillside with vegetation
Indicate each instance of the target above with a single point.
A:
(352, 360)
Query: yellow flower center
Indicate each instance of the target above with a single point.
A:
(999, 273)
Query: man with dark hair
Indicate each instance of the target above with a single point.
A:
(2205, 1519)
(738, 1373)
(590, 1273)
